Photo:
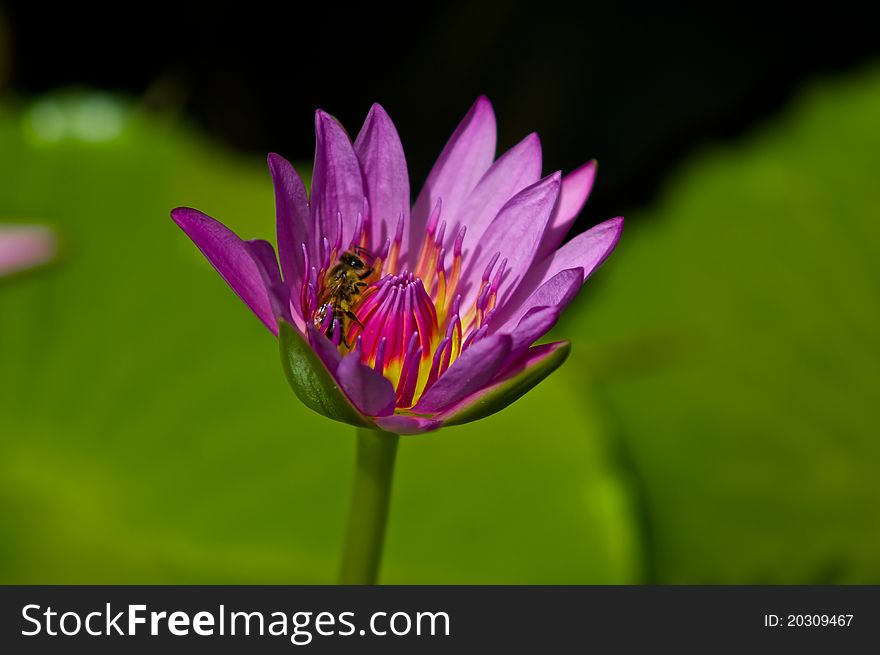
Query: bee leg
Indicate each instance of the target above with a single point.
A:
(354, 318)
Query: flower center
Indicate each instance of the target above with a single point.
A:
(408, 325)
(396, 331)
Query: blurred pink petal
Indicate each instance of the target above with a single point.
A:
(25, 246)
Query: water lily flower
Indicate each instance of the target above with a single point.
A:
(25, 246)
(407, 318)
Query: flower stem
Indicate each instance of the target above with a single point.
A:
(371, 494)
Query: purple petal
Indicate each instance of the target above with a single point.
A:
(530, 359)
(472, 370)
(369, 391)
(264, 254)
(465, 158)
(558, 291)
(534, 325)
(516, 233)
(231, 257)
(292, 221)
(278, 292)
(279, 299)
(385, 177)
(516, 169)
(576, 187)
(587, 251)
(23, 247)
(401, 424)
(337, 185)
(324, 349)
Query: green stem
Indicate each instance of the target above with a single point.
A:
(371, 494)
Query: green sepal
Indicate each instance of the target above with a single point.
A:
(311, 381)
(511, 390)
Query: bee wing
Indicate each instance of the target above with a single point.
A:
(366, 254)
(331, 289)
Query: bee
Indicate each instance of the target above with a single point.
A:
(343, 286)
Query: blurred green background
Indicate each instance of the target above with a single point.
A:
(715, 423)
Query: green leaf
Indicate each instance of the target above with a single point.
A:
(511, 390)
(311, 381)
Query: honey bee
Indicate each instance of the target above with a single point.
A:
(343, 286)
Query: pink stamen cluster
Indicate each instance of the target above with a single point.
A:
(410, 324)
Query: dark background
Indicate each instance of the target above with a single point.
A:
(635, 87)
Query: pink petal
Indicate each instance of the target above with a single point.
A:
(576, 187)
(292, 221)
(531, 327)
(516, 233)
(465, 158)
(402, 424)
(279, 299)
(278, 292)
(472, 370)
(385, 177)
(264, 254)
(324, 349)
(586, 251)
(23, 247)
(558, 291)
(337, 185)
(231, 257)
(370, 392)
(527, 360)
(516, 169)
